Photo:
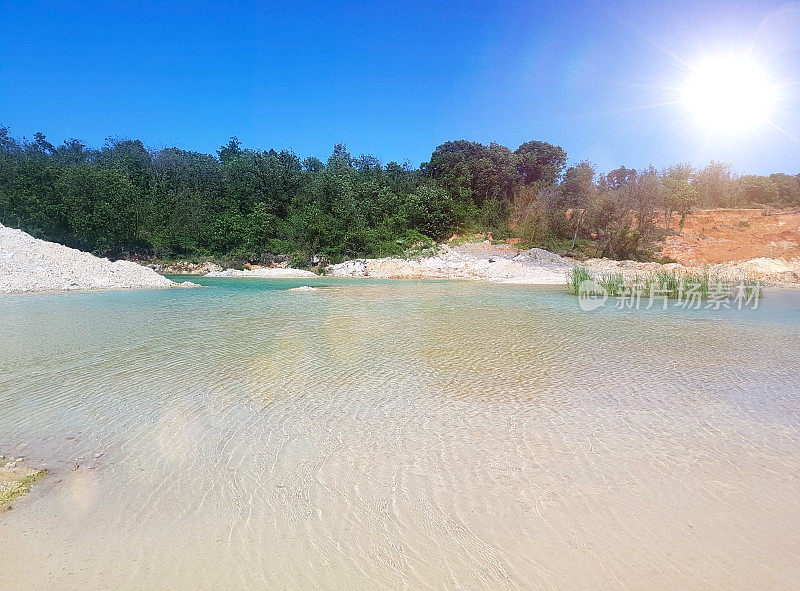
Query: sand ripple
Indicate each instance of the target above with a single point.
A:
(398, 435)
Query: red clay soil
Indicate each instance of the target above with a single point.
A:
(723, 235)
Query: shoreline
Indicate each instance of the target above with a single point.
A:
(177, 285)
(30, 265)
(505, 265)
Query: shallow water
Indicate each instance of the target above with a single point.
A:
(422, 435)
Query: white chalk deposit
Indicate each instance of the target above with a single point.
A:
(30, 264)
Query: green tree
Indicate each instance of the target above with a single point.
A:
(473, 173)
(788, 188)
(758, 190)
(540, 163)
(680, 195)
(99, 209)
(230, 150)
(429, 210)
(716, 185)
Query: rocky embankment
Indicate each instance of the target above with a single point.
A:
(483, 261)
(775, 272)
(29, 264)
(504, 264)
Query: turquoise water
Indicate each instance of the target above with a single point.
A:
(380, 434)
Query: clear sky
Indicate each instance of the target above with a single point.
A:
(394, 79)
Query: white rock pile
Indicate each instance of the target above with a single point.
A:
(535, 267)
(30, 264)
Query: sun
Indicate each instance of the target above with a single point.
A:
(729, 95)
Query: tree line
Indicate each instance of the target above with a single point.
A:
(124, 200)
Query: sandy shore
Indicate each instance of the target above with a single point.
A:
(265, 272)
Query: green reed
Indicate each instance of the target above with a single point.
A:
(575, 277)
(664, 283)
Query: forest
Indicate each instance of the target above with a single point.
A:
(123, 200)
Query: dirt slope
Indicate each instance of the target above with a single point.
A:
(723, 235)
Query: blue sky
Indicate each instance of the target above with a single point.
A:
(393, 79)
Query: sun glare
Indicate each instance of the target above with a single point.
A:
(730, 95)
